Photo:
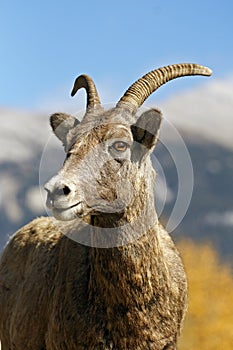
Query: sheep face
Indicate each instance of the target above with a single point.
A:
(105, 156)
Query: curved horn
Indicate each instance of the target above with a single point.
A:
(84, 81)
(138, 92)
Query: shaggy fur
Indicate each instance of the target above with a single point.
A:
(58, 294)
(108, 276)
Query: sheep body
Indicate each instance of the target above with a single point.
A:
(107, 276)
(130, 297)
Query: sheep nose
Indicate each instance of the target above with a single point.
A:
(56, 192)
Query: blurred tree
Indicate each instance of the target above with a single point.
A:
(209, 321)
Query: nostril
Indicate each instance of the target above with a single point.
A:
(58, 191)
(66, 190)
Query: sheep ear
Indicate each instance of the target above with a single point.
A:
(61, 124)
(145, 131)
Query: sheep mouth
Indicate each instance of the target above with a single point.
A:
(69, 213)
(67, 208)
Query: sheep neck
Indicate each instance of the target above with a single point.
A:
(129, 283)
(127, 275)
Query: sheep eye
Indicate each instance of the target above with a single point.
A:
(120, 146)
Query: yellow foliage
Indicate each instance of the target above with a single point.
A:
(209, 321)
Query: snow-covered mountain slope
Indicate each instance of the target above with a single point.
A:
(204, 111)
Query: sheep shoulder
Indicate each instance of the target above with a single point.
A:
(28, 248)
(27, 267)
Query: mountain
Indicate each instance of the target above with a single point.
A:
(23, 140)
(210, 214)
(30, 155)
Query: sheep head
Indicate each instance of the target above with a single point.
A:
(107, 170)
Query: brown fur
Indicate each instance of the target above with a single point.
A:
(58, 294)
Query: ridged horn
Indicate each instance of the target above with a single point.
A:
(84, 81)
(138, 92)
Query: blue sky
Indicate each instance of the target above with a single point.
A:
(46, 44)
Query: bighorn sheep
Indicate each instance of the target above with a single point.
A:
(123, 286)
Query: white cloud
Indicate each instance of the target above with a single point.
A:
(220, 219)
(22, 133)
(206, 111)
